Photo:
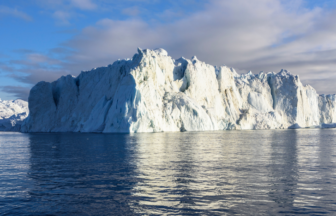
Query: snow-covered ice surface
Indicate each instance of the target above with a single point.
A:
(154, 93)
(12, 114)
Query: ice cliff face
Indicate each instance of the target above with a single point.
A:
(12, 114)
(153, 92)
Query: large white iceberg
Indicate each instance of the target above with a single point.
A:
(12, 114)
(154, 93)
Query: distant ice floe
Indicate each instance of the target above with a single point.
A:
(12, 114)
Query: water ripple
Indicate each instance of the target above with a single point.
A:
(276, 172)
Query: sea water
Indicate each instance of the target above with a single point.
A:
(269, 172)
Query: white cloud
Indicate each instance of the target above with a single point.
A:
(6, 11)
(62, 17)
(248, 35)
(132, 11)
(84, 4)
(63, 11)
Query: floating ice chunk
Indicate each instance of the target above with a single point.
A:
(152, 93)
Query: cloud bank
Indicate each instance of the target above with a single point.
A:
(259, 35)
(6, 11)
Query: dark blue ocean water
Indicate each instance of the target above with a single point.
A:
(275, 172)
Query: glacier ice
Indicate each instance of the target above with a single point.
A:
(12, 114)
(154, 93)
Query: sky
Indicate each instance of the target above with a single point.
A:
(42, 40)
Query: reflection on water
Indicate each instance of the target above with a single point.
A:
(283, 170)
(232, 172)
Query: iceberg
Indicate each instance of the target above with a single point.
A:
(12, 114)
(152, 92)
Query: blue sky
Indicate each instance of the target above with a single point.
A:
(45, 39)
